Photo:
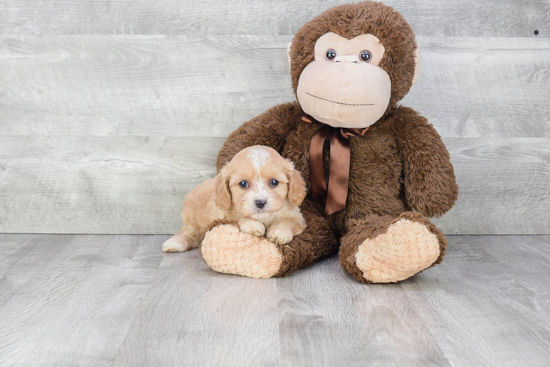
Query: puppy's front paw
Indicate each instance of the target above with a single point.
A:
(279, 234)
(176, 244)
(252, 226)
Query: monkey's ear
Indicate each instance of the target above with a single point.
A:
(223, 195)
(416, 65)
(288, 52)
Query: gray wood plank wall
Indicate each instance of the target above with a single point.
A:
(111, 112)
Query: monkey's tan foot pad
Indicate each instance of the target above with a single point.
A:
(228, 250)
(406, 248)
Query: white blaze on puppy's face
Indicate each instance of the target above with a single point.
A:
(258, 181)
(258, 195)
(258, 156)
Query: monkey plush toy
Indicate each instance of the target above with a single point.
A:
(375, 170)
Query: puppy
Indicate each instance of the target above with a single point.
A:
(258, 189)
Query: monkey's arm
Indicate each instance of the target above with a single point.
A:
(270, 128)
(430, 185)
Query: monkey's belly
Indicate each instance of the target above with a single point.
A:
(376, 176)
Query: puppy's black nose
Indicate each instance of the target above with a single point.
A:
(260, 203)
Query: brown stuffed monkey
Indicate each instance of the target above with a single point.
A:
(374, 170)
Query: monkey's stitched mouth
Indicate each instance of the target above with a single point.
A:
(346, 104)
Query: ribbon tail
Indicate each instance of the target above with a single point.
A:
(316, 168)
(339, 172)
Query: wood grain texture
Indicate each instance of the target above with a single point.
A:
(107, 133)
(119, 301)
(208, 86)
(343, 323)
(427, 17)
(198, 317)
(22, 257)
(139, 85)
(481, 309)
(504, 186)
(77, 307)
(137, 184)
(484, 87)
(100, 185)
(526, 258)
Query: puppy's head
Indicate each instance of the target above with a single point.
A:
(258, 182)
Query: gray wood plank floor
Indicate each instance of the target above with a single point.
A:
(107, 300)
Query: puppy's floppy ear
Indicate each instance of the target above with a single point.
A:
(296, 185)
(223, 195)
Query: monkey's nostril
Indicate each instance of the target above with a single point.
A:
(260, 203)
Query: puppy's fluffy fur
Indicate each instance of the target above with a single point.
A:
(258, 189)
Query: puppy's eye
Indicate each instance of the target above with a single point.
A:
(273, 183)
(243, 184)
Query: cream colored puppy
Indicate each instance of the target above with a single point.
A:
(258, 189)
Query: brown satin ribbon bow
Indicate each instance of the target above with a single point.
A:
(335, 194)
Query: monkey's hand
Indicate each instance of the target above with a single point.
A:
(430, 184)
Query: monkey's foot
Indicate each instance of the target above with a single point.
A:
(228, 250)
(406, 248)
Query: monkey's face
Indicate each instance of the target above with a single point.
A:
(344, 86)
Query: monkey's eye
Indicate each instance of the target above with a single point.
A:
(365, 55)
(243, 184)
(331, 54)
(273, 183)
